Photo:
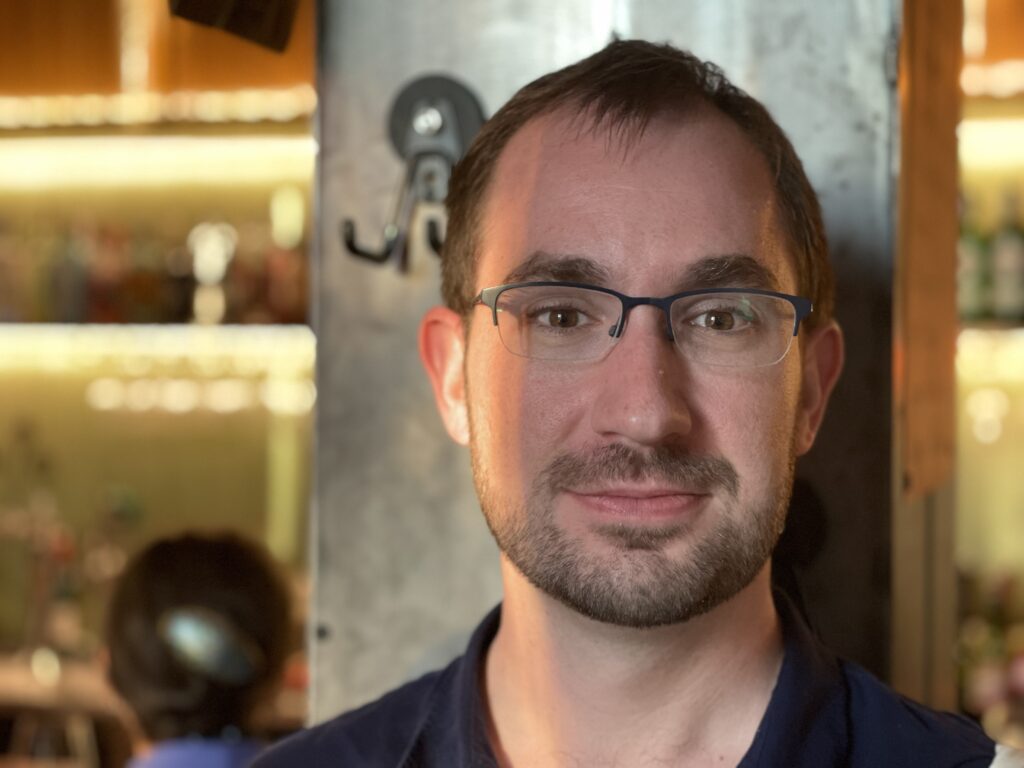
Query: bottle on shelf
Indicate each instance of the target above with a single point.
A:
(973, 277)
(1008, 263)
(68, 293)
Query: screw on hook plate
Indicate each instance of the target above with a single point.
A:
(428, 121)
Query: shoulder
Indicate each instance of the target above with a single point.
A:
(379, 733)
(891, 730)
(199, 752)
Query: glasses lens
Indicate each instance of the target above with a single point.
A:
(734, 329)
(557, 322)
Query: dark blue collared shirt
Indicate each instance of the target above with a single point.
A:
(823, 713)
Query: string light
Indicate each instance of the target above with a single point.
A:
(117, 162)
(144, 108)
(999, 80)
(25, 347)
(991, 144)
(984, 357)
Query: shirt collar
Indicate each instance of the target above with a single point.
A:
(805, 723)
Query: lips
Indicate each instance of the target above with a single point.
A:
(640, 504)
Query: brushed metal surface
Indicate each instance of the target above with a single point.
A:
(404, 566)
(823, 70)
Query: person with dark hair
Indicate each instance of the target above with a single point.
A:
(197, 633)
(637, 344)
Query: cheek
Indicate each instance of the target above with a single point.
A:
(554, 406)
(751, 422)
(493, 405)
(522, 415)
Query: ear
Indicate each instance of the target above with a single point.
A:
(821, 357)
(442, 350)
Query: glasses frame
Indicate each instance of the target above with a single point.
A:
(488, 297)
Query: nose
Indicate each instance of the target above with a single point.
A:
(642, 386)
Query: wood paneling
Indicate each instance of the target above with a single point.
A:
(59, 47)
(927, 235)
(924, 345)
(1004, 30)
(186, 56)
(73, 47)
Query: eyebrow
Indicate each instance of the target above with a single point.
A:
(730, 270)
(542, 265)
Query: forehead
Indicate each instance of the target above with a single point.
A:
(691, 188)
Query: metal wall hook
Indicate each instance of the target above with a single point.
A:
(432, 121)
(434, 236)
(348, 236)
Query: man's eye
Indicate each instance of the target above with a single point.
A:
(717, 320)
(724, 319)
(562, 318)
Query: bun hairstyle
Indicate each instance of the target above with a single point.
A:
(197, 629)
(210, 644)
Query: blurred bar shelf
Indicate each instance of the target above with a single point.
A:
(174, 369)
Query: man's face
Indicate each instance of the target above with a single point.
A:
(643, 488)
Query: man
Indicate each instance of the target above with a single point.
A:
(637, 344)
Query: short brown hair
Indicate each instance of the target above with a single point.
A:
(221, 574)
(623, 87)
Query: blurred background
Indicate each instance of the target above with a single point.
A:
(990, 368)
(157, 361)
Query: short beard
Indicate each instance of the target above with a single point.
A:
(638, 584)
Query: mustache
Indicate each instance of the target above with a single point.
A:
(664, 464)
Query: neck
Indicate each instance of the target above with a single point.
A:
(562, 688)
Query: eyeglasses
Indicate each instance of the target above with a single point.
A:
(575, 322)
